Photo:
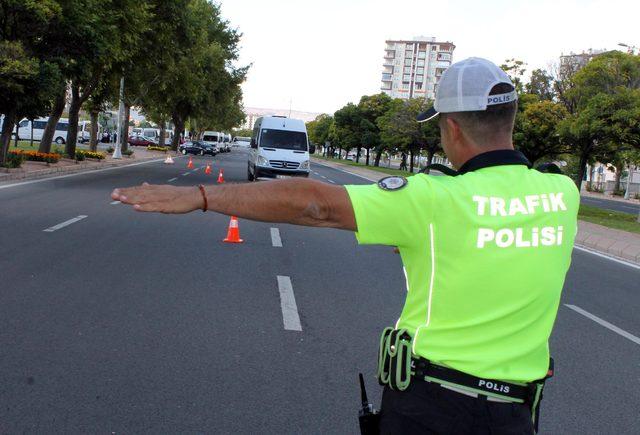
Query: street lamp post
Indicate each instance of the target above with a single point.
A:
(631, 49)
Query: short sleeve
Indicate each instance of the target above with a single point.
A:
(391, 217)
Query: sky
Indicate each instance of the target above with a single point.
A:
(318, 55)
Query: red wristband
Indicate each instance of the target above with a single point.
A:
(204, 197)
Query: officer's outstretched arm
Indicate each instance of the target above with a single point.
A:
(295, 201)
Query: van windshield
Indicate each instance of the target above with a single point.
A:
(283, 139)
(208, 138)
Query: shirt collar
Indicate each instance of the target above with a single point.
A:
(494, 158)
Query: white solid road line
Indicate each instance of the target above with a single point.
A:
(90, 171)
(607, 257)
(115, 202)
(171, 179)
(64, 224)
(604, 323)
(288, 303)
(276, 241)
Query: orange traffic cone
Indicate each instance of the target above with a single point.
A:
(233, 235)
(190, 164)
(207, 170)
(221, 176)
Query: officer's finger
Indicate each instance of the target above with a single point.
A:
(396, 250)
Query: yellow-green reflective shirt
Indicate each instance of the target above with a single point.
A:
(485, 256)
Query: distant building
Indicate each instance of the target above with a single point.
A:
(572, 62)
(413, 68)
(253, 113)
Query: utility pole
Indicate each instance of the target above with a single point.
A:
(117, 153)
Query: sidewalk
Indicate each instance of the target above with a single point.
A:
(616, 243)
(32, 170)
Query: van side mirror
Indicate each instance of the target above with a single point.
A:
(253, 143)
(312, 148)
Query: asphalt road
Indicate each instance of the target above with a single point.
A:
(123, 322)
(607, 204)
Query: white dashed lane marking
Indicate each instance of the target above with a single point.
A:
(290, 315)
(604, 323)
(64, 224)
(171, 179)
(276, 241)
(331, 181)
(185, 174)
(115, 202)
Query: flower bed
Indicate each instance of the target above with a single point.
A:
(89, 155)
(154, 148)
(34, 156)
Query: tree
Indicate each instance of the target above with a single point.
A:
(193, 49)
(400, 130)
(540, 84)
(515, 69)
(319, 130)
(347, 128)
(371, 108)
(22, 28)
(535, 132)
(603, 95)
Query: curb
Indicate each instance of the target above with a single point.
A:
(81, 167)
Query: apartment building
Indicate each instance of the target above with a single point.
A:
(412, 69)
(572, 62)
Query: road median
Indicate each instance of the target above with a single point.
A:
(35, 170)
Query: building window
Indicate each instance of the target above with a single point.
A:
(420, 62)
(418, 86)
(386, 77)
(418, 79)
(434, 48)
(407, 62)
(420, 71)
(406, 78)
(444, 56)
(422, 54)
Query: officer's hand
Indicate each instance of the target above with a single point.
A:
(396, 250)
(161, 199)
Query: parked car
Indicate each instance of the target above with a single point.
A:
(198, 147)
(142, 141)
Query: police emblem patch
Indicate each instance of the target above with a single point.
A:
(392, 183)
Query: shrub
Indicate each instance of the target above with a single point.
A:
(89, 155)
(110, 149)
(637, 196)
(14, 160)
(619, 192)
(127, 152)
(79, 156)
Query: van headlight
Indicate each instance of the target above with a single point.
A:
(262, 161)
(304, 165)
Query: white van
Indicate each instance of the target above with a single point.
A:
(279, 146)
(59, 136)
(212, 138)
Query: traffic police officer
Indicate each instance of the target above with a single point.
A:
(485, 254)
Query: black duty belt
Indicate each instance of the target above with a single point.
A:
(423, 369)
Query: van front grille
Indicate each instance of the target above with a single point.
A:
(283, 164)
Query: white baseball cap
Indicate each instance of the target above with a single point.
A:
(465, 87)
